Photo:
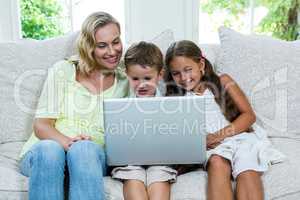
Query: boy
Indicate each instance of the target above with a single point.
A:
(144, 68)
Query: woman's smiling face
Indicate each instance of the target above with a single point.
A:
(108, 50)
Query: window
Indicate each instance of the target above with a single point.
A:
(269, 17)
(78, 10)
(42, 19)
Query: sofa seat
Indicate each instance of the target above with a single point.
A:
(281, 182)
(13, 185)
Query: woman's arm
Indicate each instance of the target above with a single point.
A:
(243, 122)
(44, 129)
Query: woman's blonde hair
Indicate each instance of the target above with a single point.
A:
(86, 42)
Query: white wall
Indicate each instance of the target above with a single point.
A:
(145, 19)
(9, 20)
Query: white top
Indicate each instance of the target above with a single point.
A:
(254, 145)
(215, 120)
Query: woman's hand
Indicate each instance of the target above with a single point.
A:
(213, 140)
(67, 143)
(45, 129)
(81, 137)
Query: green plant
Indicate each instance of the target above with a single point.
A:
(40, 18)
(281, 20)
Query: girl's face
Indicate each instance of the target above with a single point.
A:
(109, 47)
(143, 80)
(186, 72)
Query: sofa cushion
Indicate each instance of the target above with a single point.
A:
(290, 196)
(164, 40)
(191, 186)
(113, 189)
(211, 52)
(15, 186)
(6, 195)
(188, 186)
(268, 71)
(283, 179)
(11, 180)
(23, 68)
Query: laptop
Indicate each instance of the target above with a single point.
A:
(155, 130)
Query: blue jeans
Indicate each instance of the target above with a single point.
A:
(45, 165)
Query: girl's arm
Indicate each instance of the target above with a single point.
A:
(44, 129)
(243, 122)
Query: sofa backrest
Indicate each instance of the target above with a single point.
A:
(23, 69)
(211, 52)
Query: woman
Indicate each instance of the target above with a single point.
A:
(68, 125)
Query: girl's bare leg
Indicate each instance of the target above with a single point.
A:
(219, 179)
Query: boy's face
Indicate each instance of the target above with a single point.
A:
(143, 79)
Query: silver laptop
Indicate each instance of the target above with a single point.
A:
(155, 130)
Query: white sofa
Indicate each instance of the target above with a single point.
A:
(23, 68)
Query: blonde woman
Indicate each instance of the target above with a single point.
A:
(68, 125)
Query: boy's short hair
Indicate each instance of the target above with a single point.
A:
(144, 54)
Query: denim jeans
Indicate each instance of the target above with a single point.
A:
(45, 165)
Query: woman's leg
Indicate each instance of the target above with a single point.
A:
(159, 191)
(44, 164)
(249, 186)
(87, 165)
(219, 179)
(134, 190)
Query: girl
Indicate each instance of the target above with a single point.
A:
(234, 147)
(68, 125)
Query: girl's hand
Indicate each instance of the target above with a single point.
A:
(213, 140)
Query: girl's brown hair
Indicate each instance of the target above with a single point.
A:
(210, 79)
